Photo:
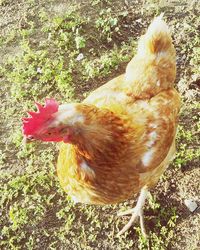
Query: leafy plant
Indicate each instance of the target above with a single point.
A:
(107, 22)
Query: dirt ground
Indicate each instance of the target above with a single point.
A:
(92, 227)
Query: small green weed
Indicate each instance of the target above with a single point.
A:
(107, 23)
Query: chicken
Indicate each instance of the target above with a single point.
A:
(121, 138)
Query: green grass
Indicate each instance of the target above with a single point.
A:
(34, 210)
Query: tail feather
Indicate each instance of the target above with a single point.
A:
(157, 38)
(153, 68)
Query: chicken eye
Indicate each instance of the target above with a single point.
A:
(30, 137)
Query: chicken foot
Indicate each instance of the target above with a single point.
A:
(136, 212)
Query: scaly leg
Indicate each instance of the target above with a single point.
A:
(136, 212)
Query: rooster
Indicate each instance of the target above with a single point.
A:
(121, 138)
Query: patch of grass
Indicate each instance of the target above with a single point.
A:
(24, 199)
(108, 61)
(163, 225)
(106, 23)
(188, 139)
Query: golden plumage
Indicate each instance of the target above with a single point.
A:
(128, 135)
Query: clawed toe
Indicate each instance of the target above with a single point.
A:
(129, 211)
(135, 215)
(136, 212)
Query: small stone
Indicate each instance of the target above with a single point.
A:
(39, 70)
(80, 57)
(190, 204)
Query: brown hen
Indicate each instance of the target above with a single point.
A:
(122, 137)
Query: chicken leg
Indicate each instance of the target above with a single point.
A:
(136, 212)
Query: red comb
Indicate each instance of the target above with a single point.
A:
(37, 119)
